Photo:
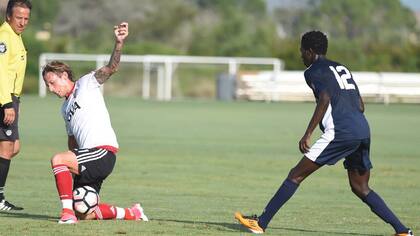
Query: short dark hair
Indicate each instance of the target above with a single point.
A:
(17, 3)
(315, 40)
(57, 67)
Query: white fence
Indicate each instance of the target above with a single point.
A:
(165, 64)
(291, 85)
(273, 85)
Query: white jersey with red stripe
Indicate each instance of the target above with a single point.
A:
(86, 116)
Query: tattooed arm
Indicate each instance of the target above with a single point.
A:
(103, 74)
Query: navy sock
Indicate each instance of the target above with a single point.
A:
(379, 207)
(4, 170)
(285, 192)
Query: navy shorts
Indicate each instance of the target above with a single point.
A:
(10, 132)
(95, 164)
(355, 153)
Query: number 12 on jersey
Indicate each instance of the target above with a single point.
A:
(342, 79)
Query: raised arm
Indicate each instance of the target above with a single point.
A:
(103, 74)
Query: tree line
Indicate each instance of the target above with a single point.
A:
(375, 35)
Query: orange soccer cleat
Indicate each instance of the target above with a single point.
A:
(409, 233)
(250, 222)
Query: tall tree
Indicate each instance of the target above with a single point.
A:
(374, 20)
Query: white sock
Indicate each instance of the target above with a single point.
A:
(67, 203)
(120, 213)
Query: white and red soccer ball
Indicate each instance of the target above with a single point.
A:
(85, 199)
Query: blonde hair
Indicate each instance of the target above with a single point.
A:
(57, 67)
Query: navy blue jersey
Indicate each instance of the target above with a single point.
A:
(343, 119)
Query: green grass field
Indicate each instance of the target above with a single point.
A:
(192, 164)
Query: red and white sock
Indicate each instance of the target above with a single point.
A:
(107, 212)
(64, 184)
(129, 214)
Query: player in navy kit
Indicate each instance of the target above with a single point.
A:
(346, 135)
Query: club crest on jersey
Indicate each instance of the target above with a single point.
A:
(3, 47)
(74, 107)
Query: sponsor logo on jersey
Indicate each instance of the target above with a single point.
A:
(83, 168)
(74, 107)
(3, 47)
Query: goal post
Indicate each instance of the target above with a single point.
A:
(164, 65)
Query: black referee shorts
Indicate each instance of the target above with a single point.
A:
(10, 132)
(95, 164)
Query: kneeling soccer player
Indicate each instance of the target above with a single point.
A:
(91, 138)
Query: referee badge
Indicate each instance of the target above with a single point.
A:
(3, 47)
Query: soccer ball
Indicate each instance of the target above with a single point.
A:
(85, 199)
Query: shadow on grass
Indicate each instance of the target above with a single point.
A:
(237, 227)
(231, 227)
(27, 216)
(226, 226)
(323, 232)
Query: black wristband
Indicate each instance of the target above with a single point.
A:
(8, 105)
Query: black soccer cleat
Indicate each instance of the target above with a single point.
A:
(7, 206)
